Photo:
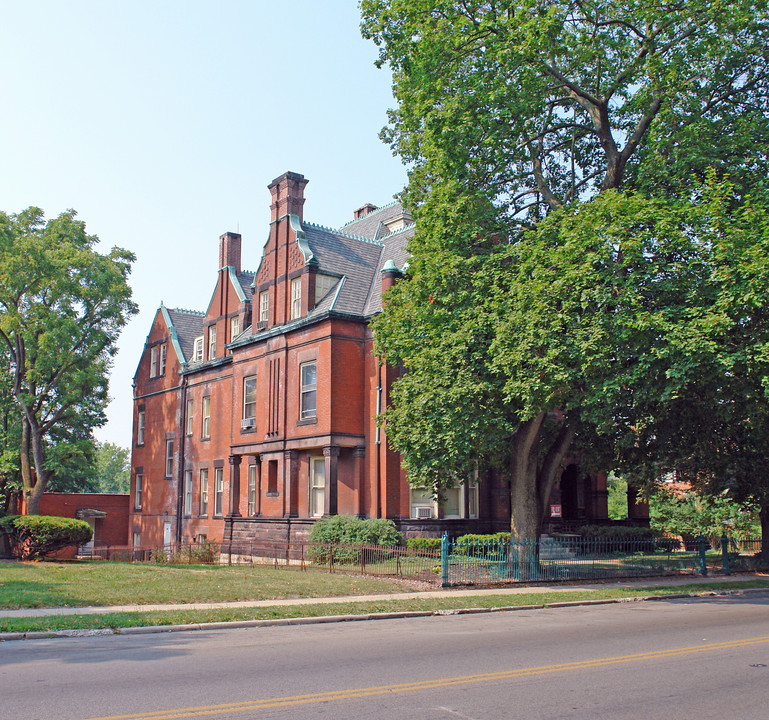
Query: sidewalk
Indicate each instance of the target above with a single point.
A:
(426, 594)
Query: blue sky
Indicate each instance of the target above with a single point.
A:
(163, 122)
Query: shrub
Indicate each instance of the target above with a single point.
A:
(35, 536)
(621, 538)
(425, 544)
(350, 531)
(480, 545)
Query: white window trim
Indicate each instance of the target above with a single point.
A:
(190, 417)
(234, 327)
(197, 353)
(264, 306)
(141, 428)
(153, 361)
(306, 390)
(188, 492)
(138, 490)
(204, 491)
(162, 362)
(296, 298)
(249, 414)
(169, 458)
(212, 342)
(317, 489)
(251, 490)
(206, 425)
(218, 492)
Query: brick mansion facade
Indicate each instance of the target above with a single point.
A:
(257, 416)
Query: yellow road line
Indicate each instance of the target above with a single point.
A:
(427, 684)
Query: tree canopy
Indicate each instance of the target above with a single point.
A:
(62, 307)
(591, 235)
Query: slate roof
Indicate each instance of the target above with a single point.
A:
(188, 325)
(246, 280)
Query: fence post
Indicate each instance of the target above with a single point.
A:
(701, 549)
(725, 555)
(445, 559)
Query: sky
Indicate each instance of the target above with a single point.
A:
(162, 123)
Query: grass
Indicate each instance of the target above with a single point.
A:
(436, 604)
(73, 584)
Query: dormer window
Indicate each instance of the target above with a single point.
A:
(296, 298)
(234, 327)
(197, 354)
(323, 283)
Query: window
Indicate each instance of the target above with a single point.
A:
(264, 306)
(169, 458)
(296, 298)
(323, 283)
(138, 493)
(212, 342)
(308, 381)
(137, 539)
(234, 327)
(422, 504)
(206, 432)
(218, 490)
(252, 489)
(188, 492)
(153, 362)
(317, 486)
(249, 397)
(204, 491)
(140, 428)
(197, 354)
(190, 416)
(162, 367)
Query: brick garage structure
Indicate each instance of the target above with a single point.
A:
(256, 416)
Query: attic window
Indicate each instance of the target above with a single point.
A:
(323, 283)
(197, 355)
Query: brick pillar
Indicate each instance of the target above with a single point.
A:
(331, 454)
(359, 455)
(234, 486)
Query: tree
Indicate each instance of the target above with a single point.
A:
(62, 307)
(112, 471)
(563, 178)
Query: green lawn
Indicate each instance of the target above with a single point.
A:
(72, 584)
(432, 604)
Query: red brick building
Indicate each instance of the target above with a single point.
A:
(257, 416)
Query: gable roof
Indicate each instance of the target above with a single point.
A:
(186, 325)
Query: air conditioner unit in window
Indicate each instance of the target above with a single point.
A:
(248, 423)
(261, 325)
(424, 513)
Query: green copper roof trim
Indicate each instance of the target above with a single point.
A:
(331, 231)
(174, 336)
(373, 212)
(236, 283)
(301, 240)
(390, 266)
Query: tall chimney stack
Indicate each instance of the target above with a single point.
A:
(229, 250)
(287, 195)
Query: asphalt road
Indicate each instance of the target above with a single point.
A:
(667, 659)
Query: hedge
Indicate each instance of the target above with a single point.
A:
(35, 536)
(350, 531)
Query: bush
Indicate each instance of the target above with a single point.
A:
(424, 544)
(621, 538)
(480, 545)
(351, 531)
(35, 536)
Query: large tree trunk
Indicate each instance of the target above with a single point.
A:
(34, 483)
(530, 483)
(764, 517)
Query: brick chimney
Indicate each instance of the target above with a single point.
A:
(229, 250)
(364, 210)
(287, 195)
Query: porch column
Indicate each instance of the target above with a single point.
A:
(289, 483)
(234, 486)
(359, 454)
(331, 454)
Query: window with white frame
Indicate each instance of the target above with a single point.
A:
(188, 492)
(137, 538)
(162, 365)
(169, 458)
(264, 306)
(206, 429)
(197, 353)
(204, 491)
(308, 383)
(138, 491)
(234, 327)
(212, 342)
(423, 506)
(296, 298)
(252, 489)
(153, 361)
(140, 428)
(190, 417)
(218, 490)
(317, 486)
(249, 397)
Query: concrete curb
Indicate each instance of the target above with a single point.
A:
(148, 629)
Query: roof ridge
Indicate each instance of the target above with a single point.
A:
(373, 212)
(188, 312)
(344, 234)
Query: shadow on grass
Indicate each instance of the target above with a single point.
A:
(33, 594)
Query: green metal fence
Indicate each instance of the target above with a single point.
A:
(490, 561)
